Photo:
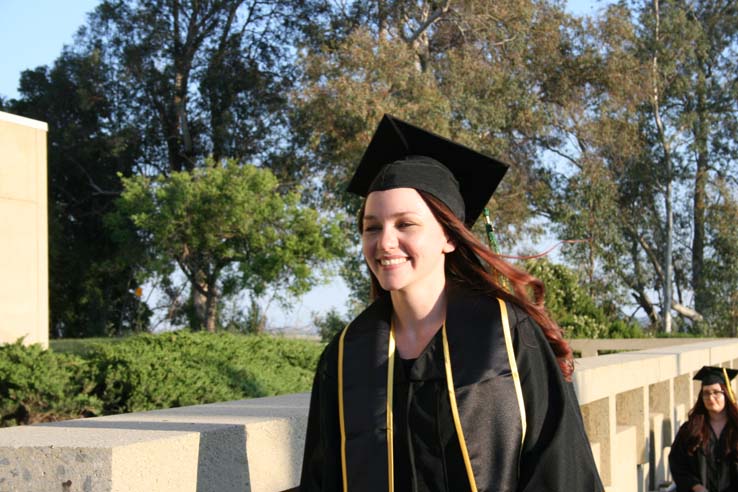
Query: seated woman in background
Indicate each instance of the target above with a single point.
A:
(454, 378)
(704, 455)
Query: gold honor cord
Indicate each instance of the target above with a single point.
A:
(514, 371)
(455, 411)
(390, 418)
(341, 422)
(728, 386)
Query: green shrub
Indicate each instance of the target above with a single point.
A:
(146, 372)
(38, 385)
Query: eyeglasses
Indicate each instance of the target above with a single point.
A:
(709, 394)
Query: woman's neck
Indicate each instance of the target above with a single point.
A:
(418, 315)
(718, 418)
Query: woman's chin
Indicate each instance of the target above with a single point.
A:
(390, 287)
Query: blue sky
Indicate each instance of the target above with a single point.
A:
(33, 33)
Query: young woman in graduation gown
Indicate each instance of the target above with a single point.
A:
(454, 378)
(704, 455)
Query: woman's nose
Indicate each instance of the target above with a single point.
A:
(388, 239)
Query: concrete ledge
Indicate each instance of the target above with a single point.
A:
(599, 377)
(591, 347)
(247, 445)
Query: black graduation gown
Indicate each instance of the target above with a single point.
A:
(428, 455)
(715, 472)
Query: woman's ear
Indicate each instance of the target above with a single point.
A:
(450, 246)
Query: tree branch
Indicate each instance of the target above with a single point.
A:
(91, 182)
(686, 312)
(428, 22)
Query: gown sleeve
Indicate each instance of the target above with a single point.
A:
(684, 468)
(321, 466)
(556, 454)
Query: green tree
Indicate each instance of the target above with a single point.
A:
(721, 267)
(329, 324)
(205, 78)
(693, 48)
(226, 227)
(199, 77)
(645, 102)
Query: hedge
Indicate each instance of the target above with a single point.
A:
(147, 372)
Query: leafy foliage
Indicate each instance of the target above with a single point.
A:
(147, 372)
(227, 228)
(721, 268)
(330, 324)
(147, 88)
(573, 309)
(199, 78)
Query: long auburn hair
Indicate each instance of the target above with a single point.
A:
(698, 427)
(474, 266)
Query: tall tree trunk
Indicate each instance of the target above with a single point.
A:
(700, 131)
(211, 310)
(419, 39)
(668, 251)
(640, 294)
(381, 21)
(669, 224)
(591, 256)
(200, 299)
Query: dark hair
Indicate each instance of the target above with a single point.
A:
(473, 266)
(698, 427)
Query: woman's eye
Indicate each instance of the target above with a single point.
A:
(403, 225)
(371, 228)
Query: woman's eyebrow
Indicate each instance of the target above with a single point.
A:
(392, 216)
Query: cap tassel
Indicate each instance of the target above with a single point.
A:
(490, 232)
(728, 386)
(494, 246)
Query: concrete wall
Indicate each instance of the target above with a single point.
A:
(631, 403)
(248, 445)
(634, 402)
(24, 295)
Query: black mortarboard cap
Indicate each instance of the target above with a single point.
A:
(401, 155)
(711, 375)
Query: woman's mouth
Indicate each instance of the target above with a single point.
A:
(391, 261)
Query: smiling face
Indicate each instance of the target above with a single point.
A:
(403, 243)
(713, 397)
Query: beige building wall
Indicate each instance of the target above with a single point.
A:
(24, 272)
